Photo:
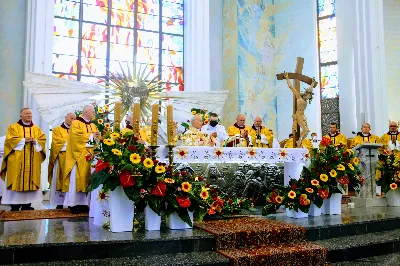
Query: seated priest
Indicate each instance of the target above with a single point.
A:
(365, 136)
(314, 140)
(143, 136)
(216, 131)
(193, 136)
(391, 139)
(335, 136)
(239, 133)
(306, 143)
(261, 137)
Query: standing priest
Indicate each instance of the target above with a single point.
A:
(391, 139)
(57, 160)
(77, 171)
(24, 152)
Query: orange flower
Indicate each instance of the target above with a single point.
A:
(204, 194)
(314, 182)
(292, 194)
(393, 186)
(309, 190)
(303, 196)
(186, 186)
(169, 180)
(278, 199)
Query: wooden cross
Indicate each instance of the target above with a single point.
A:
(297, 76)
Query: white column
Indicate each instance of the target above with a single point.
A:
(361, 61)
(197, 45)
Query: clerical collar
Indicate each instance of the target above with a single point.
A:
(366, 135)
(254, 127)
(334, 135)
(22, 123)
(63, 125)
(393, 133)
(83, 120)
(128, 126)
(239, 127)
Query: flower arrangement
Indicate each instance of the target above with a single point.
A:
(101, 120)
(205, 116)
(388, 172)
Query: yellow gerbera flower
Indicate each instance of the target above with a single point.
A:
(107, 125)
(350, 151)
(278, 199)
(204, 194)
(341, 167)
(292, 194)
(194, 112)
(206, 117)
(100, 121)
(393, 186)
(350, 166)
(356, 161)
(323, 177)
(117, 152)
(135, 158)
(160, 169)
(105, 108)
(109, 142)
(310, 190)
(186, 186)
(333, 173)
(314, 182)
(100, 111)
(148, 163)
(169, 180)
(115, 135)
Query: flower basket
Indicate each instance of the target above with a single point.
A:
(176, 223)
(393, 198)
(121, 211)
(296, 214)
(314, 210)
(152, 219)
(333, 205)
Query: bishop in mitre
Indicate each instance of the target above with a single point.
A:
(82, 135)
(193, 136)
(261, 136)
(335, 136)
(57, 160)
(143, 136)
(391, 139)
(365, 136)
(24, 152)
(240, 130)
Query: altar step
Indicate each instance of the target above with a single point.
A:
(206, 258)
(385, 260)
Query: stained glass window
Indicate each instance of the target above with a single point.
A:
(95, 37)
(326, 7)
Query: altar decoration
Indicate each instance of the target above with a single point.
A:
(203, 113)
(102, 117)
(388, 177)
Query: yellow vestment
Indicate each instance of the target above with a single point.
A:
(23, 167)
(306, 143)
(337, 139)
(59, 137)
(386, 138)
(194, 137)
(142, 134)
(364, 139)
(263, 131)
(77, 152)
(237, 130)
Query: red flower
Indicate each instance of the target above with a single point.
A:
(344, 180)
(283, 154)
(200, 178)
(362, 180)
(126, 179)
(335, 158)
(325, 141)
(294, 186)
(88, 157)
(182, 153)
(103, 195)
(183, 173)
(121, 140)
(184, 202)
(155, 161)
(327, 168)
(101, 165)
(230, 201)
(211, 211)
(159, 190)
(218, 153)
(345, 154)
(323, 193)
(131, 148)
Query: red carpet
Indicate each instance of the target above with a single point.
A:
(39, 214)
(259, 241)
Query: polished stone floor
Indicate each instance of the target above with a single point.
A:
(385, 260)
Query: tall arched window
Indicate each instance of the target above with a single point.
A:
(327, 41)
(92, 38)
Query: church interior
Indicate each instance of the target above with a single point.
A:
(199, 132)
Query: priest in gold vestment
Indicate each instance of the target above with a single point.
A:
(80, 143)
(57, 160)
(24, 152)
(194, 137)
(335, 136)
(391, 139)
(261, 137)
(365, 136)
(240, 129)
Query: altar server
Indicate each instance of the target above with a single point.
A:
(261, 137)
(314, 140)
(335, 136)
(365, 136)
(57, 160)
(215, 130)
(391, 139)
(82, 135)
(24, 152)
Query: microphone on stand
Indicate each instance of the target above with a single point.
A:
(358, 133)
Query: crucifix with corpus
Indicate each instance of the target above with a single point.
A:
(299, 101)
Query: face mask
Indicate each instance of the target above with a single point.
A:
(213, 123)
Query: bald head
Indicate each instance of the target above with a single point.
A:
(88, 112)
(393, 126)
(258, 121)
(240, 120)
(26, 115)
(69, 118)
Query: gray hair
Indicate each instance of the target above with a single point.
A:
(86, 107)
(194, 118)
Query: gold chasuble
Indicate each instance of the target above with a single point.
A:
(59, 137)
(142, 134)
(238, 130)
(364, 139)
(256, 137)
(78, 149)
(337, 138)
(392, 138)
(306, 143)
(23, 166)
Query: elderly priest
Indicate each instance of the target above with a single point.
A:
(24, 152)
(57, 160)
(77, 171)
(193, 136)
(391, 139)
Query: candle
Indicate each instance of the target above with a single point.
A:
(170, 123)
(154, 124)
(136, 115)
(117, 114)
